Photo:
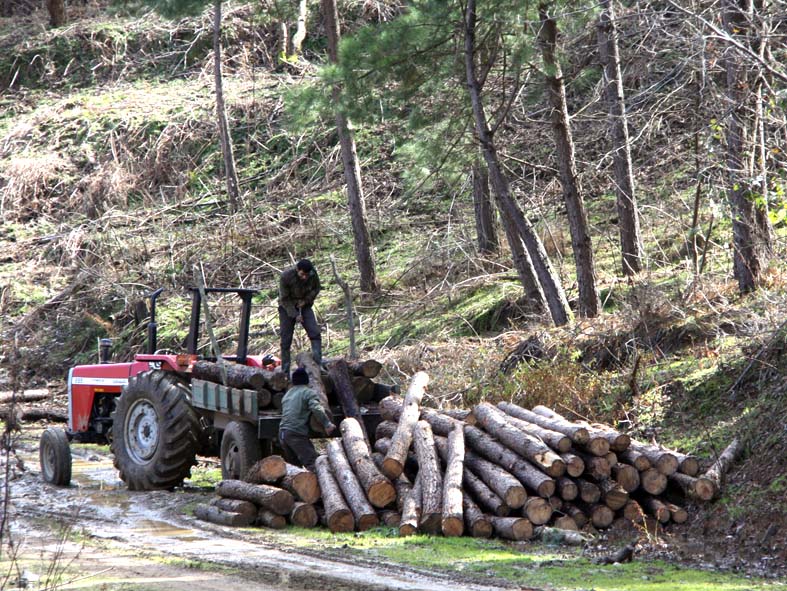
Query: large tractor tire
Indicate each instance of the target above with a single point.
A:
(240, 450)
(55, 456)
(155, 432)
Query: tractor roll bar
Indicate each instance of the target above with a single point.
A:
(245, 317)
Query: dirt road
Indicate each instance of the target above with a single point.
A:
(146, 541)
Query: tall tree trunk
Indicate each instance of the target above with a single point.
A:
(746, 257)
(628, 215)
(760, 39)
(352, 169)
(300, 31)
(57, 12)
(282, 43)
(224, 130)
(484, 214)
(589, 303)
(553, 291)
(524, 265)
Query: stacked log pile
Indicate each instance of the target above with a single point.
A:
(498, 470)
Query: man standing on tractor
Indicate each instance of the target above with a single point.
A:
(297, 406)
(298, 288)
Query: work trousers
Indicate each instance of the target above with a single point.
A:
(298, 449)
(287, 328)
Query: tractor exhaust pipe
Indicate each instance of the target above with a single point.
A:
(152, 326)
(104, 345)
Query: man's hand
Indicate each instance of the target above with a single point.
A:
(330, 428)
(299, 318)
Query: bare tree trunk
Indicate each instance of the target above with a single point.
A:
(282, 42)
(553, 291)
(221, 112)
(524, 265)
(300, 32)
(57, 12)
(746, 258)
(352, 169)
(589, 303)
(484, 214)
(628, 215)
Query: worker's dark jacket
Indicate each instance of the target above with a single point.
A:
(292, 289)
(297, 406)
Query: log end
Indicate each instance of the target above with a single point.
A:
(538, 511)
(368, 521)
(566, 522)
(621, 443)
(431, 523)
(453, 526)
(522, 529)
(667, 464)
(705, 489)
(556, 469)
(581, 436)
(598, 446)
(304, 515)
(690, 466)
(481, 529)
(407, 529)
(392, 468)
(381, 494)
(515, 497)
(307, 486)
(546, 489)
(341, 521)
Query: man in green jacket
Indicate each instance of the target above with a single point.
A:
(297, 407)
(298, 288)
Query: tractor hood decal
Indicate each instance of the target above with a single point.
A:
(91, 381)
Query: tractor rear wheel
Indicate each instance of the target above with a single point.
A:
(240, 450)
(55, 457)
(156, 432)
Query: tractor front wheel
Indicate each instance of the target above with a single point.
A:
(156, 432)
(55, 456)
(240, 450)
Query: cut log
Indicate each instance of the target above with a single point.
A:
(385, 429)
(577, 433)
(495, 452)
(618, 442)
(390, 517)
(240, 376)
(431, 478)
(556, 503)
(455, 413)
(25, 396)
(246, 508)
(411, 511)
(566, 522)
(505, 485)
(214, 514)
(338, 516)
(277, 400)
(440, 423)
(453, 518)
(678, 514)
(383, 390)
(266, 518)
(612, 494)
(612, 459)
(626, 476)
(636, 459)
(363, 389)
(575, 466)
(718, 471)
(485, 496)
(377, 487)
(303, 515)
(403, 487)
(576, 514)
(600, 516)
(652, 481)
(656, 508)
(557, 441)
(512, 528)
(269, 497)
(303, 484)
(702, 489)
(495, 423)
(567, 489)
(596, 467)
(687, 464)
(410, 464)
(343, 388)
(588, 492)
(537, 510)
(633, 511)
(30, 414)
(306, 361)
(664, 461)
(364, 513)
(267, 470)
(403, 436)
(368, 368)
(390, 408)
(477, 523)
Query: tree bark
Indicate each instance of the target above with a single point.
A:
(656, 508)
(484, 214)
(477, 523)
(221, 112)
(512, 528)
(700, 488)
(340, 375)
(485, 496)
(364, 513)
(431, 478)
(300, 31)
(557, 441)
(57, 12)
(266, 518)
(548, 419)
(403, 436)
(240, 376)
(411, 510)
(270, 497)
(453, 519)
(553, 291)
(352, 169)
(524, 265)
(495, 452)
(589, 302)
(337, 515)
(215, 514)
(301, 483)
(717, 472)
(494, 421)
(664, 461)
(377, 487)
(687, 464)
(25, 396)
(628, 214)
(267, 470)
(305, 360)
(637, 459)
(246, 508)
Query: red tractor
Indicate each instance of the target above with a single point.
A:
(157, 417)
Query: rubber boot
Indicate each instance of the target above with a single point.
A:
(317, 352)
(285, 363)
